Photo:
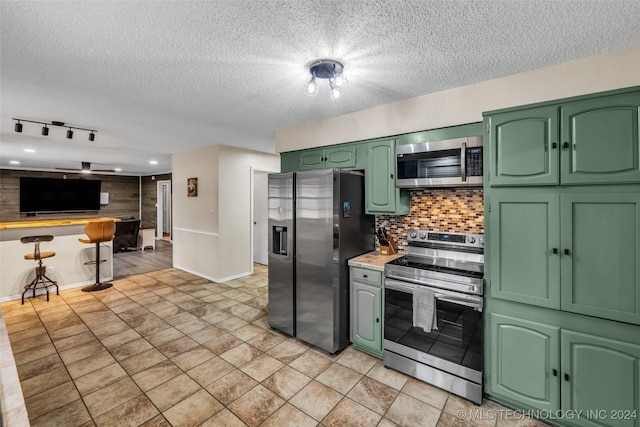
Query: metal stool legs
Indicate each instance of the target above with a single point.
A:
(97, 286)
(43, 279)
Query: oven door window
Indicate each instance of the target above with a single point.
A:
(458, 338)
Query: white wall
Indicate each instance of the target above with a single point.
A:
(212, 232)
(465, 104)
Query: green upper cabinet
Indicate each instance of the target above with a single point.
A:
(381, 194)
(524, 147)
(343, 156)
(524, 358)
(588, 141)
(525, 232)
(600, 253)
(603, 375)
(600, 140)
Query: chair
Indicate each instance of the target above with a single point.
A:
(98, 232)
(126, 237)
(41, 277)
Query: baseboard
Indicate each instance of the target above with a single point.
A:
(213, 279)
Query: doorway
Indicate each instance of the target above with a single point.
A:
(163, 224)
(259, 218)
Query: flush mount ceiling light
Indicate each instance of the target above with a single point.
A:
(45, 129)
(330, 70)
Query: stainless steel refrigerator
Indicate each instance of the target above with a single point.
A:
(316, 224)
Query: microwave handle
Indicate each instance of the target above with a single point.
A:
(463, 162)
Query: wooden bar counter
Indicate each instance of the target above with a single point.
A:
(67, 267)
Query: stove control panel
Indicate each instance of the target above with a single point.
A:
(457, 239)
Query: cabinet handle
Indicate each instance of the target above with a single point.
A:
(555, 372)
(567, 252)
(565, 145)
(554, 145)
(377, 320)
(391, 176)
(566, 377)
(365, 276)
(555, 250)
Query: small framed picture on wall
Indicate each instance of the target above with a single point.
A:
(192, 187)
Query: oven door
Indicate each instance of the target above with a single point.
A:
(456, 346)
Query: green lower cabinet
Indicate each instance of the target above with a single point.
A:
(603, 375)
(366, 310)
(524, 356)
(381, 194)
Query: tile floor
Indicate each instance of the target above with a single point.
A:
(168, 348)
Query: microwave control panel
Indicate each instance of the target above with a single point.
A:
(474, 161)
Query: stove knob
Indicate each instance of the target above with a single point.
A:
(413, 234)
(472, 239)
(481, 241)
(423, 236)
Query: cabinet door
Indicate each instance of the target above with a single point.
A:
(381, 193)
(524, 359)
(600, 140)
(600, 375)
(311, 159)
(525, 238)
(524, 147)
(340, 157)
(600, 255)
(366, 316)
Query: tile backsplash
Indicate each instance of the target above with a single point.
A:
(454, 210)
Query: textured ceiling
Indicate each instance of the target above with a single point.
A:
(156, 77)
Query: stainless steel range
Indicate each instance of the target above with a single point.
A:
(451, 266)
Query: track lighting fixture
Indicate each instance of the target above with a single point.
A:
(45, 128)
(330, 70)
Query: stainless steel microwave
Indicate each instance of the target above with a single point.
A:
(448, 163)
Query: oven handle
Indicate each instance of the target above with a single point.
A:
(472, 301)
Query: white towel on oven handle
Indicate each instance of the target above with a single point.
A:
(424, 309)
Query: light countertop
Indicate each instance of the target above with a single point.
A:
(373, 260)
(50, 222)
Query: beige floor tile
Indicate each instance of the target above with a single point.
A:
(356, 360)
(157, 421)
(111, 396)
(111, 329)
(448, 420)
(256, 405)
(311, 363)
(45, 381)
(386, 423)
(231, 324)
(71, 414)
(457, 404)
(69, 331)
(34, 354)
(176, 347)
(30, 343)
(142, 361)
(231, 386)
(194, 410)
(156, 375)
(339, 378)
(241, 354)
(222, 343)
(289, 415)
(224, 418)
(287, 351)
(116, 340)
(216, 317)
(206, 334)
(164, 336)
(39, 366)
(286, 382)
(387, 376)
(75, 340)
(209, 371)
(262, 367)
(427, 393)
(81, 352)
(100, 378)
(23, 326)
(179, 319)
(35, 332)
(192, 326)
(131, 349)
(133, 413)
(51, 399)
(316, 400)
(409, 412)
(247, 332)
(192, 358)
(373, 394)
(173, 391)
(350, 414)
(89, 364)
(266, 340)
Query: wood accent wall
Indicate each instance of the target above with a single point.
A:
(149, 198)
(124, 195)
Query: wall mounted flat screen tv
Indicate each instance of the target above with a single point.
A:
(48, 195)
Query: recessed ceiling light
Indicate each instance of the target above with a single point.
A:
(14, 162)
(29, 150)
(118, 169)
(153, 162)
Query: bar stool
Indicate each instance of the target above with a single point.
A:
(98, 232)
(41, 277)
